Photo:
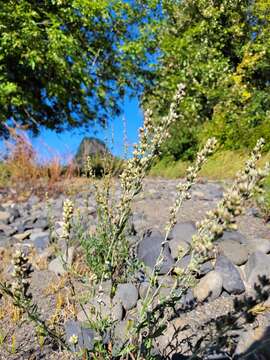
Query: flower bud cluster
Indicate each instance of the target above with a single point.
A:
(73, 340)
(231, 205)
(88, 168)
(151, 136)
(192, 173)
(68, 210)
(183, 194)
(114, 218)
(21, 275)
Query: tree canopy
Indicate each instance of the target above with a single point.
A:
(64, 63)
(220, 50)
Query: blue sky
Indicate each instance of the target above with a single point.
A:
(49, 144)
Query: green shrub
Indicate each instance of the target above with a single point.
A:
(4, 174)
(102, 165)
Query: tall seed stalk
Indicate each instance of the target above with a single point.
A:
(247, 182)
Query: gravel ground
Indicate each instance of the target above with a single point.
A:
(153, 209)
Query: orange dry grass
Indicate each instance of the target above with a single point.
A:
(21, 161)
(26, 174)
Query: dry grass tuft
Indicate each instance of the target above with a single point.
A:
(24, 173)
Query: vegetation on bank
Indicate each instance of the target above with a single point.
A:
(221, 166)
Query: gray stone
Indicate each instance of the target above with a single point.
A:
(14, 213)
(139, 223)
(84, 335)
(258, 265)
(178, 247)
(234, 251)
(117, 312)
(234, 235)
(143, 289)
(28, 224)
(22, 236)
(186, 300)
(41, 223)
(206, 268)
(258, 261)
(153, 194)
(33, 200)
(4, 242)
(254, 344)
(57, 265)
(216, 191)
(165, 283)
(101, 308)
(149, 250)
(184, 262)
(209, 285)
(40, 240)
(207, 192)
(127, 295)
(232, 281)
(120, 335)
(173, 337)
(255, 212)
(198, 195)
(7, 230)
(259, 244)
(4, 217)
(183, 231)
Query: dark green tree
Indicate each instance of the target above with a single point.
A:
(64, 63)
(220, 50)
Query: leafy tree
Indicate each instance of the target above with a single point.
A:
(220, 50)
(66, 62)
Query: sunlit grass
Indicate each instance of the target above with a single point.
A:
(222, 165)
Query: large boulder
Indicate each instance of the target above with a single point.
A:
(149, 249)
(209, 285)
(183, 232)
(234, 251)
(127, 295)
(92, 147)
(256, 269)
(78, 336)
(232, 281)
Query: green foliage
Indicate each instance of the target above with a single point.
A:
(65, 63)
(263, 200)
(219, 167)
(267, 197)
(4, 174)
(99, 168)
(96, 248)
(220, 51)
(169, 168)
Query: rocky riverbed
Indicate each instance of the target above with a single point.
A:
(241, 257)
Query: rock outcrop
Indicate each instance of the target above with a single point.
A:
(92, 147)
